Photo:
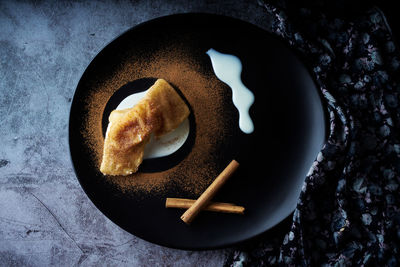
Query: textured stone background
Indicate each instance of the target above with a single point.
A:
(45, 217)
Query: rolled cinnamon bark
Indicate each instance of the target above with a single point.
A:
(209, 193)
(183, 203)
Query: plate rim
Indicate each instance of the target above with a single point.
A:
(282, 41)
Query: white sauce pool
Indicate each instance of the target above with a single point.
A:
(166, 144)
(228, 69)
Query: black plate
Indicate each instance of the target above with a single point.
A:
(289, 130)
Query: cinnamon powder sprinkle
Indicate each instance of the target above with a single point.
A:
(188, 71)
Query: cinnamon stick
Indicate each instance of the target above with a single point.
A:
(209, 193)
(183, 203)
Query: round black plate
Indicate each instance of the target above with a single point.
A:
(289, 132)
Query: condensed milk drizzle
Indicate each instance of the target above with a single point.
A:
(228, 69)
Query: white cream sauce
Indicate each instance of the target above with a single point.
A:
(228, 69)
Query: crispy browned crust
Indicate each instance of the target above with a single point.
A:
(160, 111)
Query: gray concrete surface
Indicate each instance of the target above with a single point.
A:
(45, 217)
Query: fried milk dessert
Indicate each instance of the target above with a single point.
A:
(159, 112)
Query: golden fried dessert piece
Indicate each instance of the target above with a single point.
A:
(171, 107)
(160, 111)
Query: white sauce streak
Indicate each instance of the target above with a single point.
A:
(228, 69)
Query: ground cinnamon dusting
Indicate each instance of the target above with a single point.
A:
(206, 95)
